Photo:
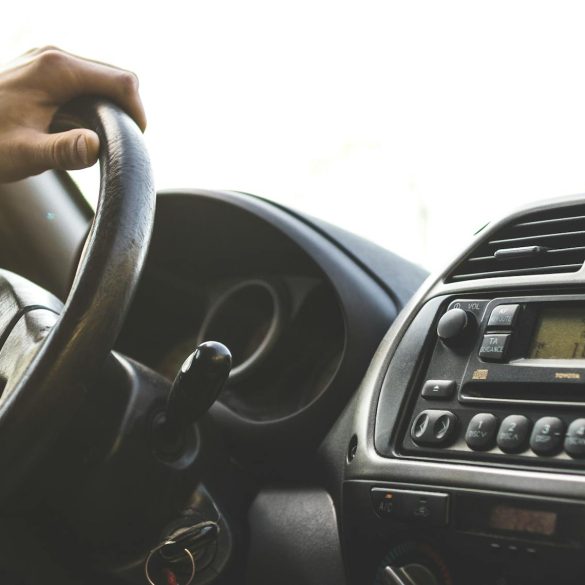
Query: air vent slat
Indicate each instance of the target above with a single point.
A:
(546, 242)
(536, 238)
(554, 251)
(520, 271)
(544, 222)
(563, 250)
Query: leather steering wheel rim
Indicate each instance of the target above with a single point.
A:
(52, 386)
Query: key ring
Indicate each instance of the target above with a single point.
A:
(158, 548)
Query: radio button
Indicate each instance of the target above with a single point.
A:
(433, 427)
(438, 389)
(575, 439)
(504, 316)
(481, 432)
(547, 436)
(494, 347)
(513, 433)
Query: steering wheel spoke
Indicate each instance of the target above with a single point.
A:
(21, 346)
(27, 313)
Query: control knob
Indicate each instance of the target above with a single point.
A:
(411, 563)
(455, 326)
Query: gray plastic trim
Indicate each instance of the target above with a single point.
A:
(368, 464)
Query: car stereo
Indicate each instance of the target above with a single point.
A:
(505, 381)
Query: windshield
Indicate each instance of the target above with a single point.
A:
(410, 123)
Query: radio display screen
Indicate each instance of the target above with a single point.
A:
(560, 334)
(522, 520)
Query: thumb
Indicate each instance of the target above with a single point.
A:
(74, 149)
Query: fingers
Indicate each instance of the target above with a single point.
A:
(32, 91)
(65, 76)
(38, 51)
(74, 149)
(35, 152)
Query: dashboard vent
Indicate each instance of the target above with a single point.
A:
(544, 242)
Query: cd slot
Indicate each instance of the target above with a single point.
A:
(523, 392)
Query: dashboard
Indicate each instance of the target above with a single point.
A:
(467, 462)
(379, 425)
(458, 459)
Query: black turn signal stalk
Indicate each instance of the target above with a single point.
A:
(196, 387)
(198, 383)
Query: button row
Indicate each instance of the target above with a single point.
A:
(515, 433)
(511, 550)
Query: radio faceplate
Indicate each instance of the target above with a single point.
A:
(505, 382)
(553, 325)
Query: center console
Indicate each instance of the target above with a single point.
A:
(466, 460)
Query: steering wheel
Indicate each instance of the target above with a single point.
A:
(50, 351)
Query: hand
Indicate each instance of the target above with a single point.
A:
(32, 90)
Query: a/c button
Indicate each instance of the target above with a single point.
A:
(428, 508)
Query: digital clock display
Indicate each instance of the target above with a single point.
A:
(560, 334)
(522, 520)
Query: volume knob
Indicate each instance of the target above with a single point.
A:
(454, 325)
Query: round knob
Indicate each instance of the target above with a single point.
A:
(454, 325)
(410, 563)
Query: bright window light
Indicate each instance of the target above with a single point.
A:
(410, 123)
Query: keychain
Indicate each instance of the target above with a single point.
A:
(183, 544)
(170, 575)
